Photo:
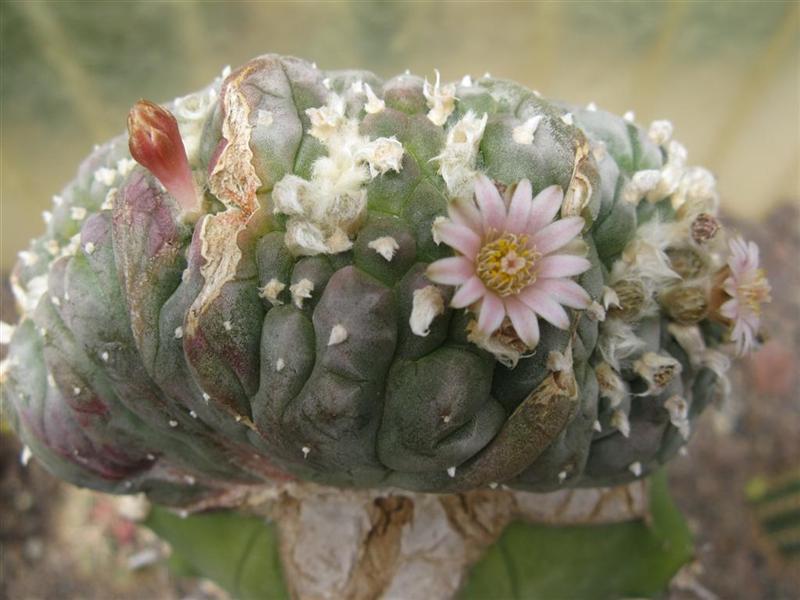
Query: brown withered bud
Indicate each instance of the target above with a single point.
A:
(155, 142)
(686, 262)
(632, 299)
(704, 228)
(686, 305)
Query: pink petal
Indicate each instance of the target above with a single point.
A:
(492, 314)
(491, 204)
(544, 305)
(462, 239)
(562, 265)
(565, 291)
(451, 271)
(730, 309)
(464, 212)
(469, 293)
(524, 320)
(545, 207)
(557, 235)
(520, 209)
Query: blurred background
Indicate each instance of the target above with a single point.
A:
(726, 73)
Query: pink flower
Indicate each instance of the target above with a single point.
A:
(506, 266)
(748, 289)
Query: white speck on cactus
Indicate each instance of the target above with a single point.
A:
(446, 418)
(657, 370)
(591, 107)
(642, 184)
(272, 290)
(192, 112)
(226, 71)
(280, 364)
(660, 132)
(192, 414)
(427, 304)
(306, 450)
(264, 118)
(567, 119)
(52, 247)
(619, 421)
(435, 233)
(300, 291)
(173, 423)
(696, 193)
(487, 75)
(189, 479)
(178, 332)
(111, 197)
(72, 246)
(493, 485)
(42, 331)
(466, 81)
(683, 451)
(386, 246)
(76, 391)
(357, 87)
(596, 312)
(560, 362)
(374, 104)
(599, 150)
(629, 116)
(338, 335)
(523, 134)
(327, 119)
(441, 100)
(150, 456)
(457, 160)
(206, 397)
(326, 83)
(185, 275)
(451, 471)
(537, 93)
(6, 331)
(597, 426)
(25, 456)
(678, 410)
(105, 356)
(105, 176)
(313, 65)
(89, 248)
(636, 468)
(381, 155)
(611, 385)
(227, 325)
(78, 213)
(125, 166)
(610, 297)
(47, 217)
(58, 200)
(238, 418)
(183, 513)
(51, 380)
(407, 72)
(28, 258)
(562, 476)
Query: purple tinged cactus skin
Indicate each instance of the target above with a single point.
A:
(249, 303)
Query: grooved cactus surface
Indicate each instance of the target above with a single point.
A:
(187, 351)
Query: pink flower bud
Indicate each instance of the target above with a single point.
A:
(155, 142)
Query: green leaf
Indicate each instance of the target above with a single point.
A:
(632, 559)
(237, 552)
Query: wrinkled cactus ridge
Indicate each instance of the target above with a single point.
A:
(248, 301)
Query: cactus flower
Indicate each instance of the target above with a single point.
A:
(507, 263)
(748, 289)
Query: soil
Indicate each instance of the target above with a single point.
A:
(62, 543)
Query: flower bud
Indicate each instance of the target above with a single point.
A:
(685, 262)
(155, 142)
(686, 305)
(704, 227)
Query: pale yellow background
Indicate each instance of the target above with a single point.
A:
(725, 73)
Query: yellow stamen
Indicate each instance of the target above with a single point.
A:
(756, 292)
(507, 264)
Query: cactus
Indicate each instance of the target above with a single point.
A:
(321, 276)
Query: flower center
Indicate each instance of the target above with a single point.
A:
(507, 265)
(756, 292)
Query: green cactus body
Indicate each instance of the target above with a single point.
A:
(280, 324)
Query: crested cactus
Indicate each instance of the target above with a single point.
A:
(321, 276)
